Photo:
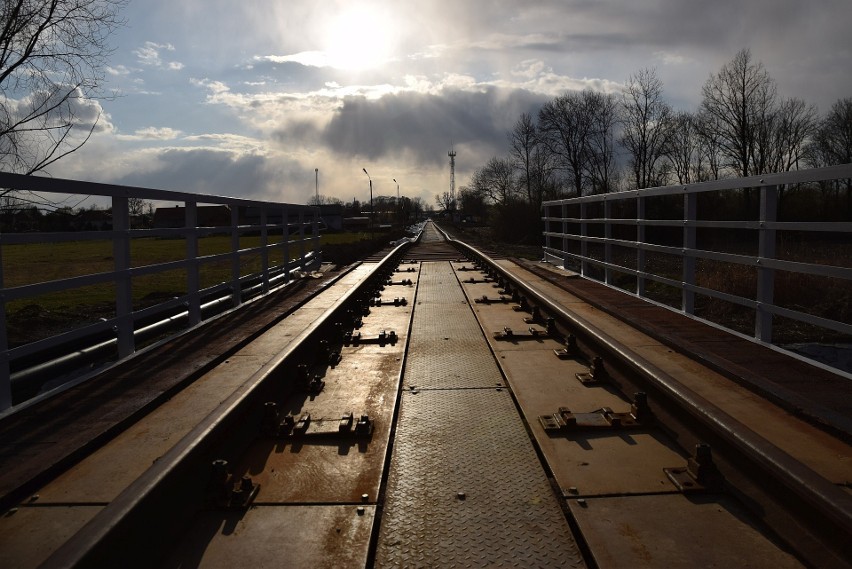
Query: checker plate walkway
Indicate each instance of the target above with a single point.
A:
(465, 486)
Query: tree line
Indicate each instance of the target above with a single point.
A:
(588, 142)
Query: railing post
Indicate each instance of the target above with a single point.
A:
(565, 240)
(690, 207)
(285, 220)
(608, 238)
(584, 245)
(264, 252)
(5, 372)
(641, 263)
(316, 230)
(192, 279)
(123, 282)
(236, 292)
(766, 275)
(302, 238)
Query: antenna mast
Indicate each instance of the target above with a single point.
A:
(452, 155)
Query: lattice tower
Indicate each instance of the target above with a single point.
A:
(452, 155)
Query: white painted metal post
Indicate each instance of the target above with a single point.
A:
(608, 236)
(641, 263)
(565, 240)
(236, 292)
(584, 245)
(123, 282)
(302, 239)
(316, 230)
(766, 275)
(192, 277)
(690, 207)
(264, 252)
(285, 217)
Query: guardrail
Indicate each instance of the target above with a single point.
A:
(643, 241)
(284, 238)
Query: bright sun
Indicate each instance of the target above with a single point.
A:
(359, 38)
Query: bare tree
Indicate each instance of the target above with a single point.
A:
(832, 143)
(710, 158)
(564, 127)
(52, 59)
(324, 200)
(445, 202)
(496, 181)
(647, 127)
(795, 124)
(523, 140)
(601, 110)
(577, 128)
(832, 140)
(682, 150)
(740, 99)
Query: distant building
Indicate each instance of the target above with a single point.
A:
(332, 216)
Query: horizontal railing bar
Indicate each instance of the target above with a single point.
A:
(833, 271)
(826, 226)
(828, 173)
(67, 186)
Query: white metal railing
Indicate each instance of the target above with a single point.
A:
(287, 240)
(607, 237)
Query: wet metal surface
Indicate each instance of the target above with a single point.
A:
(675, 531)
(465, 485)
(277, 536)
(33, 532)
(826, 455)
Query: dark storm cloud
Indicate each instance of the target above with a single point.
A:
(425, 125)
(215, 172)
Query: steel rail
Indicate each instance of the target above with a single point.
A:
(121, 534)
(830, 507)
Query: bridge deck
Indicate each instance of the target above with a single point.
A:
(813, 393)
(473, 477)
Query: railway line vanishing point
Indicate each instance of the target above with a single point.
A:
(435, 406)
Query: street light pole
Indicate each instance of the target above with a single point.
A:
(372, 211)
(316, 183)
(398, 205)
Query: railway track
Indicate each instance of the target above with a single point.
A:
(437, 407)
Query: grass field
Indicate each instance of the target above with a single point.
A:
(45, 315)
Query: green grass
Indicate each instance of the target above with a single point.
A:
(36, 317)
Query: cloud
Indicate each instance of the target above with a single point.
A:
(423, 126)
(151, 133)
(118, 70)
(212, 171)
(149, 56)
(306, 58)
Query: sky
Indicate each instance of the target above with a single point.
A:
(274, 100)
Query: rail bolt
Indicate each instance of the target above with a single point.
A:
(640, 409)
(550, 326)
(269, 423)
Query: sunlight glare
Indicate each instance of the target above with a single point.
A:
(359, 38)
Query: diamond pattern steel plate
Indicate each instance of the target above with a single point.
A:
(446, 364)
(447, 348)
(465, 486)
(438, 285)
